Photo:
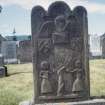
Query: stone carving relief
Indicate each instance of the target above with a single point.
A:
(44, 74)
(60, 55)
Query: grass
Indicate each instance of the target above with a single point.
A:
(18, 86)
(97, 77)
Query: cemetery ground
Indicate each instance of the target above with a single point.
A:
(18, 86)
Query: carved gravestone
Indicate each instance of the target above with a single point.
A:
(60, 53)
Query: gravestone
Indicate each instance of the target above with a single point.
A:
(60, 53)
(3, 72)
(102, 44)
(9, 51)
(25, 51)
(3, 68)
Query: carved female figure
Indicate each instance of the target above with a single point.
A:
(45, 83)
(78, 85)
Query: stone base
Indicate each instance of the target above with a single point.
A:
(3, 71)
(88, 102)
(26, 103)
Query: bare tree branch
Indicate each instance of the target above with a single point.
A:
(0, 8)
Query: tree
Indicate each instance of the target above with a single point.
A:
(0, 8)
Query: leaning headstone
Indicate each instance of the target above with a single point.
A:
(9, 51)
(60, 53)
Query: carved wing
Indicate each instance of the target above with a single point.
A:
(72, 27)
(37, 19)
(46, 30)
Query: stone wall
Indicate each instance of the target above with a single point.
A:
(25, 51)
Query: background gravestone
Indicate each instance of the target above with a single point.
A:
(25, 51)
(9, 51)
(102, 45)
(60, 53)
(2, 69)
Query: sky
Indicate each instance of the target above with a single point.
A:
(17, 14)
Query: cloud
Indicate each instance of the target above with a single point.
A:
(92, 7)
(24, 3)
(95, 7)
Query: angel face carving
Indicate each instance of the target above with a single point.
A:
(60, 36)
(60, 23)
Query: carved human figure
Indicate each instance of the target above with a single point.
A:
(78, 85)
(59, 36)
(44, 74)
(68, 77)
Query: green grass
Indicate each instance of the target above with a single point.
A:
(18, 86)
(97, 77)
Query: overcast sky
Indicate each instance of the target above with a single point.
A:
(16, 13)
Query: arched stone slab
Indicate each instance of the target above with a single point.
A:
(60, 53)
(58, 8)
(79, 10)
(37, 19)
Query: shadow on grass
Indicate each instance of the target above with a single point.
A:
(18, 73)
